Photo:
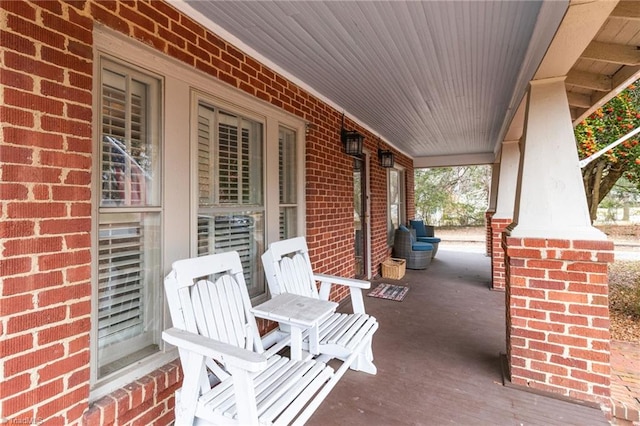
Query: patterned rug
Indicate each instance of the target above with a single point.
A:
(389, 291)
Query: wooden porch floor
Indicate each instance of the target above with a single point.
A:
(437, 354)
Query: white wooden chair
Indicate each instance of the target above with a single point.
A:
(228, 376)
(347, 337)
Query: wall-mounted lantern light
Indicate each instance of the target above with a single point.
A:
(385, 157)
(351, 140)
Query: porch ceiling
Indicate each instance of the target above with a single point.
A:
(438, 80)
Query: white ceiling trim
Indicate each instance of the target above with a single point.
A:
(454, 160)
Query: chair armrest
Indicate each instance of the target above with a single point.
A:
(350, 282)
(355, 289)
(227, 354)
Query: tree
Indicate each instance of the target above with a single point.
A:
(452, 195)
(623, 196)
(607, 124)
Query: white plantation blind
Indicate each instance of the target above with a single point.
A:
(205, 166)
(120, 282)
(232, 169)
(288, 181)
(220, 234)
(113, 127)
(229, 165)
(127, 147)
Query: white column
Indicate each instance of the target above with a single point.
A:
(550, 198)
(509, 164)
(493, 192)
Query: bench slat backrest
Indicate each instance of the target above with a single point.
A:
(288, 268)
(208, 296)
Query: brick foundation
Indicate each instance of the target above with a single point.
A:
(558, 336)
(147, 401)
(498, 280)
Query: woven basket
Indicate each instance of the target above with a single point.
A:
(394, 268)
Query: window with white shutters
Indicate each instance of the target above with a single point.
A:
(288, 181)
(128, 295)
(230, 189)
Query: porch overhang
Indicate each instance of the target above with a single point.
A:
(434, 79)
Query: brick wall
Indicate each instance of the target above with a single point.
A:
(146, 401)
(498, 280)
(45, 213)
(558, 316)
(45, 190)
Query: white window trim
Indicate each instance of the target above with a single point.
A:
(109, 383)
(402, 209)
(299, 178)
(180, 80)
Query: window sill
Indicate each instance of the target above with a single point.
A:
(130, 374)
(148, 398)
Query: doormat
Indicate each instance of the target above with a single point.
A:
(389, 291)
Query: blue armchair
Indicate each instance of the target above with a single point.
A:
(425, 234)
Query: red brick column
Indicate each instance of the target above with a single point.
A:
(558, 336)
(498, 279)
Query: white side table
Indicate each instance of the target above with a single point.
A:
(301, 313)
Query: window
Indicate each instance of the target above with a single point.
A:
(230, 191)
(288, 182)
(219, 192)
(127, 288)
(395, 198)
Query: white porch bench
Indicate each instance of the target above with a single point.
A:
(228, 376)
(347, 337)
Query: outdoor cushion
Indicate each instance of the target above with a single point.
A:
(421, 229)
(418, 246)
(418, 225)
(430, 240)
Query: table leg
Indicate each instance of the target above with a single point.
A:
(296, 343)
(314, 340)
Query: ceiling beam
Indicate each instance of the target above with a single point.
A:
(614, 53)
(627, 10)
(621, 80)
(625, 74)
(579, 100)
(576, 112)
(587, 80)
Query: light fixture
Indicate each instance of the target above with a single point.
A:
(351, 140)
(385, 156)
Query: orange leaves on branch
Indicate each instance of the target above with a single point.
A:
(608, 124)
